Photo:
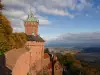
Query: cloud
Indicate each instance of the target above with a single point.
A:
(86, 37)
(14, 2)
(17, 22)
(54, 7)
(53, 11)
(15, 16)
(17, 10)
(84, 4)
(14, 13)
(44, 21)
(48, 38)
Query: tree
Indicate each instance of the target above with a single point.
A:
(23, 37)
(69, 59)
(9, 40)
(76, 68)
(46, 50)
(19, 39)
(60, 57)
(7, 29)
(3, 47)
(3, 44)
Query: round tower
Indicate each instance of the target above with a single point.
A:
(31, 24)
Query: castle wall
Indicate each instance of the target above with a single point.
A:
(46, 62)
(57, 69)
(31, 27)
(33, 57)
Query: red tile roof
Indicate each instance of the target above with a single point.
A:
(46, 55)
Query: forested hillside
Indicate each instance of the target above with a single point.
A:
(8, 39)
(72, 66)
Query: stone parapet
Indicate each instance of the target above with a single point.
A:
(34, 43)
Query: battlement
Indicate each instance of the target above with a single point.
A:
(34, 43)
(31, 23)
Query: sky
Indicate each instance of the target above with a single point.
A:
(71, 20)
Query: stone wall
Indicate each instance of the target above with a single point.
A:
(31, 27)
(46, 62)
(31, 60)
(57, 68)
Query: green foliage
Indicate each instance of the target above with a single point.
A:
(5, 31)
(69, 59)
(13, 40)
(46, 50)
(3, 47)
(66, 59)
(19, 39)
(9, 40)
(60, 58)
(6, 27)
(2, 51)
(75, 67)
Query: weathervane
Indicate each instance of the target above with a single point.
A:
(30, 11)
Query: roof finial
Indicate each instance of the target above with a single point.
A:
(31, 16)
(30, 9)
(30, 12)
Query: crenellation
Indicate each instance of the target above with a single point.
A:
(34, 43)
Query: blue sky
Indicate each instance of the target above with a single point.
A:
(57, 17)
(87, 21)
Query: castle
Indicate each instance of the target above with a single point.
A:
(31, 60)
(28, 60)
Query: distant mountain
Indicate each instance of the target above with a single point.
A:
(73, 45)
(91, 50)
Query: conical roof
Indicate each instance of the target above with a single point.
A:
(31, 18)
